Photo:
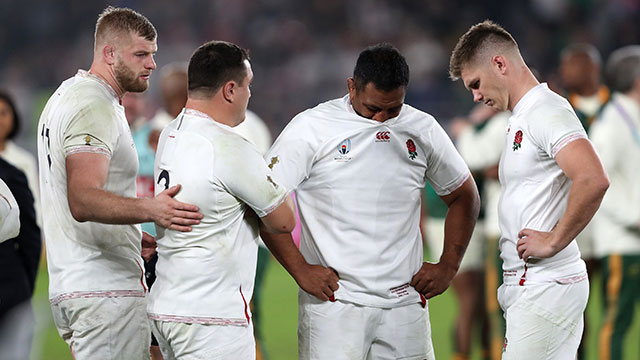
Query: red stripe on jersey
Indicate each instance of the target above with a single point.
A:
(246, 307)
(524, 275)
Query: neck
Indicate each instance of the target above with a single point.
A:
(589, 89)
(213, 108)
(520, 86)
(105, 72)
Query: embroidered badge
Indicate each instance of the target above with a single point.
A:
(411, 147)
(343, 149)
(87, 140)
(274, 160)
(517, 140)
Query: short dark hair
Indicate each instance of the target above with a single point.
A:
(476, 38)
(16, 118)
(123, 20)
(383, 65)
(623, 68)
(213, 64)
(583, 49)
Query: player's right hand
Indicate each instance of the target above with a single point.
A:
(173, 214)
(318, 281)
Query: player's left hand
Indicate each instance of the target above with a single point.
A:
(433, 279)
(532, 243)
(148, 246)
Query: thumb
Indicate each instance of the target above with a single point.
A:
(173, 191)
(524, 232)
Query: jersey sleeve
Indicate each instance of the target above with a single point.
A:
(291, 156)
(92, 129)
(245, 175)
(552, 131)
(446, 170)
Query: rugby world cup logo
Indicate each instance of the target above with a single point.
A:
(344, 147)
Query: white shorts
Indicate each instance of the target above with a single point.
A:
(204, 342)
(341, 330)
(104, 328)
(433, 232)
(544, 321)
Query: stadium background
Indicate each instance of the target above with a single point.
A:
(302, 52)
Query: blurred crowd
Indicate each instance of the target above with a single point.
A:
(302, 51)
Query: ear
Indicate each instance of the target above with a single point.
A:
(109, 54)
(499, 63)
(228, 91)
(351, 85)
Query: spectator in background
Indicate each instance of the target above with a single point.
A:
(580, 66)
(616, 137)
(10, 124)
(19, 259)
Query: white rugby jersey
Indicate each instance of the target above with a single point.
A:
(358, 184)
(535, 191)
(616, 137)
(206, 276)
(87, 259)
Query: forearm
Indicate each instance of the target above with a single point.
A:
(585, 197)
(98, 205)
(285, 251)
(459, 223)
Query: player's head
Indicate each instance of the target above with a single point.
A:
(622, 72)
(220, 67)
(173, 81)
(481, 58)
(9, 118)
(379, 82)
(579, 68)
(126, 41)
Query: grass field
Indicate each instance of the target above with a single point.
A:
(279, 314)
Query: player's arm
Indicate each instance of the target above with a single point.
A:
(282, 220)
(88, 201)
(579, 161)
(464, 206)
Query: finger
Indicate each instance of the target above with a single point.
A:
(333, 286)
(178, 205)
(335, 272)
(180, 227)
(521, 250)
(183, 221)
(525, 232)
(321, 296)
(187, 214)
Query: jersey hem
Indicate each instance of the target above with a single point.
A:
(96, 294)
(202, 320)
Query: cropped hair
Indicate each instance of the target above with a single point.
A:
(584, 49)
(478, 37)
(215, 63)
(16, 118)
(114, 20)
(623, 68)
(382, 65)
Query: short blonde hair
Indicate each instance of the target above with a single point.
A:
(115, 20)
(478, 37)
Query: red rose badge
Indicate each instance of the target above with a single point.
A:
(411, 147)
(517, 141)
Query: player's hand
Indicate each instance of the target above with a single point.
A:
(532, 243)
(433, 279)
(148, 246)
(172, 214)
(318, 281)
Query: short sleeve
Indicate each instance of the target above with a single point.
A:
(552, 131)
(92, 129)
(446, 170)
(291, 156)
(9, 214)
(245, 174)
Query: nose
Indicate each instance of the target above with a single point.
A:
(380, 116)
(477, 97)
(151, 64)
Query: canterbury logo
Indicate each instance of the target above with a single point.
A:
(383, 136)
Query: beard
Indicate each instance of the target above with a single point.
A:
(128, 79)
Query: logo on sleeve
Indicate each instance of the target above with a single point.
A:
(274, 160)
(269, 179)
(383, 136)
(343, 149)
(411, 147)
(87, 140)
(517, 140)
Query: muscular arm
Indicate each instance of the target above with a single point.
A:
(282, 220)
(316, 280)
(579, 161)
(464, 206)
(88, 201)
